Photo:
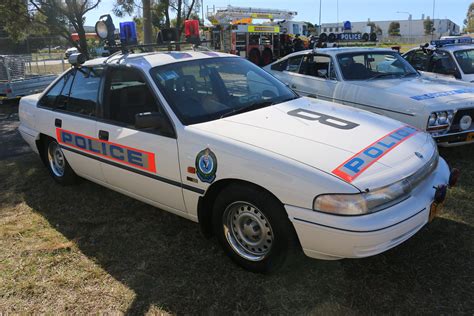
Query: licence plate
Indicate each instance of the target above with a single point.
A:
(470, 137)
(434, 209)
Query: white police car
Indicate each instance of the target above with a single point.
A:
(381, 81)
(215, 139)
(452, 57)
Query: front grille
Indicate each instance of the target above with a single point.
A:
(455, 128)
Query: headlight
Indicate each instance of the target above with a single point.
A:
(378, 199)
(362, 203)
(440, 120)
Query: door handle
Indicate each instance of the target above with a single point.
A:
(293, 86)
(58, 123)
(103, 135)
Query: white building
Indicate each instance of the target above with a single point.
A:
(412, 29)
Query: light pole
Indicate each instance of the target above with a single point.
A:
(409, 22)
(320, 17)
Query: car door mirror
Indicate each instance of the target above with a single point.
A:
(149, 120)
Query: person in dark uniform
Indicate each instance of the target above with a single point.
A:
(298, 43)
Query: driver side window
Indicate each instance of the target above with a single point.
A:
(127, 94)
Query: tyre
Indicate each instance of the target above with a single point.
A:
(267, 56)
(253, 228)
(57, 164)
(254, 56)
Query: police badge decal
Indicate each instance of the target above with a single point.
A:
(206, 165)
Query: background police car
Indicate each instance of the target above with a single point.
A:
(454, 60)
(215, 139)
(379, 80)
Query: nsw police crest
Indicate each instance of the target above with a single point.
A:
(206, 165)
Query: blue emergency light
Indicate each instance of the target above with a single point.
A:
(128, 33)
(452, 41)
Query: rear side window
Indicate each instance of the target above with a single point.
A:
(280, 66)
(50, 99)
(294, 63)
(419, 60)
(84, 91)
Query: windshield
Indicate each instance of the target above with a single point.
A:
(374, 65)
(208, 89)
(465, 59)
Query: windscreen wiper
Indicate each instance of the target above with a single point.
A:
(253, 106)
(380, 75)
(408, 74)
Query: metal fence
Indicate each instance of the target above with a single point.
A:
(17, 67)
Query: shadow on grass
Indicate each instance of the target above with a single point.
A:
(167, 263)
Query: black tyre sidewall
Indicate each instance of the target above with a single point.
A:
(283, 231)
(69, 177)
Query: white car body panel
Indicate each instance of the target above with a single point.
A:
(291, 157)
(410, 100)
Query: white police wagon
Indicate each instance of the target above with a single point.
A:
(215, 139)
(453, 57)
(381, 81)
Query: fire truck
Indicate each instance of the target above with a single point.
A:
(234, 32)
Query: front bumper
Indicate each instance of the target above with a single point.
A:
(331, 237)
(455, 139)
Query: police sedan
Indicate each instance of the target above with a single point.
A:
(449, 57)
(217, 140)
(381, 81)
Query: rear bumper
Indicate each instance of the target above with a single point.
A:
(331, 237)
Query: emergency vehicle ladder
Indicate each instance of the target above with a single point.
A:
(230, 13)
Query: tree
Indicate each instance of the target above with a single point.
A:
(56, 16)
(161, 11)
(394, 29)
(428, 25)
(469, 21)
(374, 28)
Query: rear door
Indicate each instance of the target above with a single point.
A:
(141, 162)
(69, 114)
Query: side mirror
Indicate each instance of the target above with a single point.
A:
(149, 120)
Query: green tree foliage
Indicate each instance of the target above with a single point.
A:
(374, 28)
(161, 12)
(469, 21)
(56, 17)
(394, 29)
(428, 25)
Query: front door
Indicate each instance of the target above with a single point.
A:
(141, 162)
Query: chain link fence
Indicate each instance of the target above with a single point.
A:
(18, 67)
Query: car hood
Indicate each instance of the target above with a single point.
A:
(425, 90)
(294, 130)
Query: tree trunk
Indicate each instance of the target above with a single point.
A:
(147, 30)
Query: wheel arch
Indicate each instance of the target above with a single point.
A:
(206, 202)
(40, 144)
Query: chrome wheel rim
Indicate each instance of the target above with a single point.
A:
(56, 159)
(247, 231)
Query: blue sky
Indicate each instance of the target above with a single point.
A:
(352, 10)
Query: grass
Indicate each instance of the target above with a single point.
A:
(86, 249)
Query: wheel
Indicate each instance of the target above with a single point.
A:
(57, 164)
(267, 57)
(254, 56)
(253, 228)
